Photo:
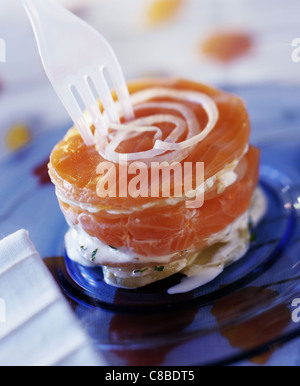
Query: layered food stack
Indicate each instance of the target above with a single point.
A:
(145, 236)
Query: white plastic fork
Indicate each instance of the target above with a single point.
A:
(75, 56)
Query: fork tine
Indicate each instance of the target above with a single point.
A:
(91, 104)
(80, 121)
(121, 89)
(105, 96)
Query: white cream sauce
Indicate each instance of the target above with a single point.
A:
(236, 246)
(190, 283)
(89, 251)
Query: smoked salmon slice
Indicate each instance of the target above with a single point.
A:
(73, 166)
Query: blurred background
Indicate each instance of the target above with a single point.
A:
(251, 48)
(221, 42)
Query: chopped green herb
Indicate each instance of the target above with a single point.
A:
(94, 254)
(159, 269)
(83, 248)
(253, 237)
(113, 248)
(140, 270)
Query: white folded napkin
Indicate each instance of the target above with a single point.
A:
(37, 325)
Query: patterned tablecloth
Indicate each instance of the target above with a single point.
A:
(185, 38)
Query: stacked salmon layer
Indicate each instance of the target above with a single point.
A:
(142, 232)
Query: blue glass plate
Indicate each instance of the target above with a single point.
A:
(244, 313)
